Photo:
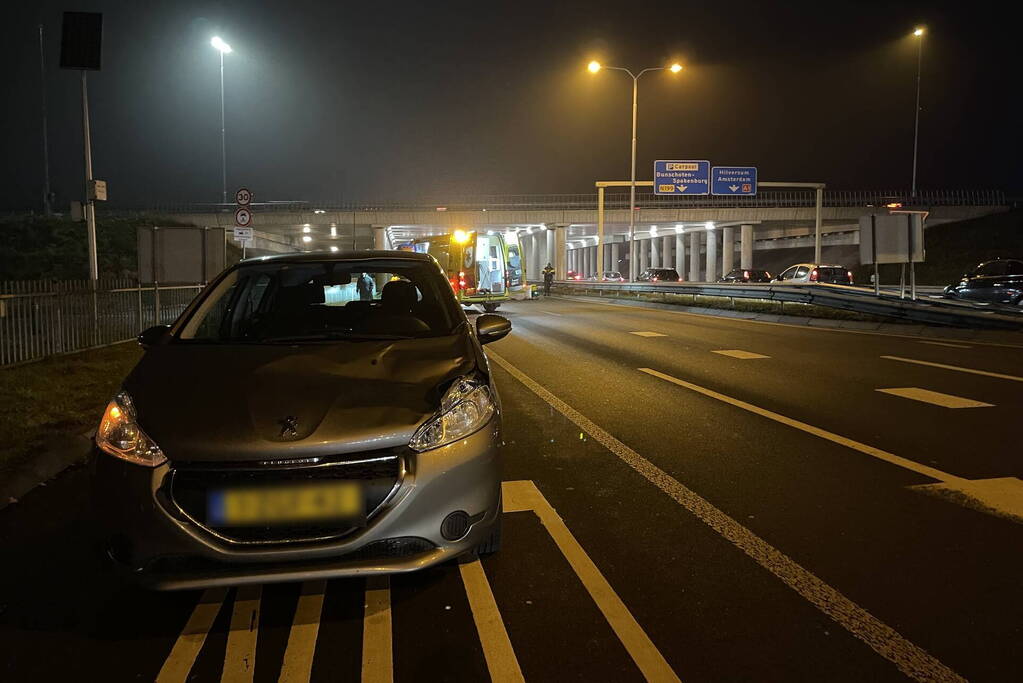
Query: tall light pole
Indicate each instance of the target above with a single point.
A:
(224, 49)
(919, 33)
(594, 67)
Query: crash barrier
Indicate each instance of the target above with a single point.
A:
(855, 299)
(39, 318)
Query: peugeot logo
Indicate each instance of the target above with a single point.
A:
(289, 427)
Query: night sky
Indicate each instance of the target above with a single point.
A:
(403, 100)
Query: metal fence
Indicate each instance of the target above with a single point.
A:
(617, 198)
(39, 318)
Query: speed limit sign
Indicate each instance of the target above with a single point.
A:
(242, 197)
(242, 217)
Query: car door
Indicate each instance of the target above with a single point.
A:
(802, 274)
(981, 284)
(788, 274)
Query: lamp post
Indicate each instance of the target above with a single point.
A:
(919, 33)
(594, 67)
(223, 48)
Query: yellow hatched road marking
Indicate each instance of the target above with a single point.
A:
(523, 495)
(497, 648)
(182, 656)
(305, 627)
(377, 658)
(240, 657)
(909, 658)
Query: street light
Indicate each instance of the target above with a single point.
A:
(919, 33)
(594, 67)
(223, 48)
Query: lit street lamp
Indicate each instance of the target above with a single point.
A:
(594, 67)
(919, 33)
(224, 49)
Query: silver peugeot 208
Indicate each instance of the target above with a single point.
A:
(307, 416)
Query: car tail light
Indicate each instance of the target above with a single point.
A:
(654, 279)
(680, 280)
(745, 275)
(849, 273)
(814, 275)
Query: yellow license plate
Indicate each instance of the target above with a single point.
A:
(285, 504)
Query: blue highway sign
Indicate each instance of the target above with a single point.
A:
(734, 180)
(681, 177)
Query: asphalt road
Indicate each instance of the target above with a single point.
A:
(671, 511)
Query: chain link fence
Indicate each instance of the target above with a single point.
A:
(39, 318)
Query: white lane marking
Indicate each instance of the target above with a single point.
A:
(554, 314)
(943, 366)
(497, 648)
(810, 429)
(182, 656)
(938, 343)
(648, 334)
(768, 322)
(523, 495)
(377, 657)
(740, 354)
(305, 627)
(910, 659)
(240, 657)
(934, 397)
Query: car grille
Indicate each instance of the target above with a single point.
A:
(377, 472)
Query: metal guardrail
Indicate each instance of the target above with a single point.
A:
(39, 318)
(613, 200)
(929, 311)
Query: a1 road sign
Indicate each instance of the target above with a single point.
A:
(681, 177)
(242, 217)
(734, 180)
(243, 197)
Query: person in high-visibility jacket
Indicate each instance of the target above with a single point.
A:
(548, 278)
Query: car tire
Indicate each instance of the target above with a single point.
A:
(493, 542)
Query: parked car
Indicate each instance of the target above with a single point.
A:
(999, 281)
(802, 273)
(294, 424)
(659, 275)
(746, 275)
(609, 276)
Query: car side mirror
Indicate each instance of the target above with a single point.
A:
(154, 335)
(490, 328)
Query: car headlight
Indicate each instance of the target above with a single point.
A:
(466, 407)
(119, 434)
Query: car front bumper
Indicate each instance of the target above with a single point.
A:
(154, 544)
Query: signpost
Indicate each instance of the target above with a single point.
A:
(243, 197)
(243, 217)
(243, 234)
(681, 177)
(734, 180)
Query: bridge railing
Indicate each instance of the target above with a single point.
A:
(612, 200)
(40, 318)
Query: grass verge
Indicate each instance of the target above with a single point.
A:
(57, 396)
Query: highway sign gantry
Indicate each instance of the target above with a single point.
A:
(681, 176)
(734, 180)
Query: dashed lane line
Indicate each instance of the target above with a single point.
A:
(948, 344)
(556, 315)
(934, 397)
(305, 627)
(240, 656)
(648, 334)
(909, 658)
(497, 648)
(943, 366)
(182, 656)
(377, 657)
(740, 354)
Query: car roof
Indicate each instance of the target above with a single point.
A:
(350, 255)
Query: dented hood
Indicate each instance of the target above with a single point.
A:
(209, 402)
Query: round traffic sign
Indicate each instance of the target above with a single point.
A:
(243, 197)
(242, 217)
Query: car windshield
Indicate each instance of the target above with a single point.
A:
(324, 301)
